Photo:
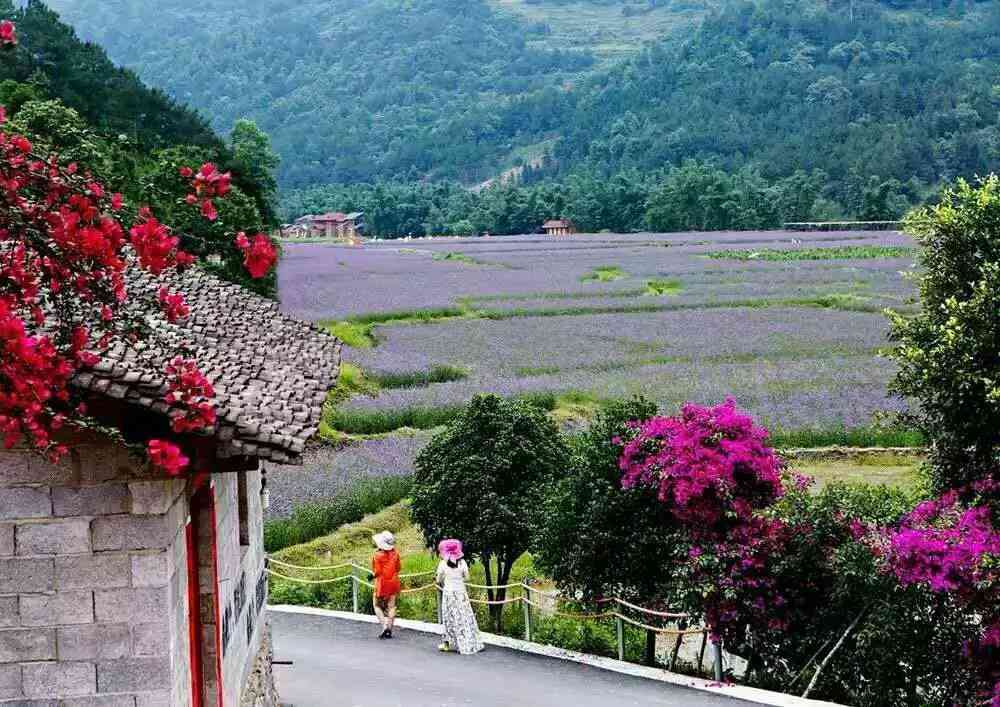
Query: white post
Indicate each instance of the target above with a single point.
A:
(717, 646)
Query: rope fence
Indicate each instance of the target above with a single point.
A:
(358, 574)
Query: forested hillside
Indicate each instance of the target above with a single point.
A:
(81, 75)
(350, 90)
(873, 101)
(70, 100)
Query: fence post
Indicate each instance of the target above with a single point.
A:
(717, 646)
(620, 630)
(650, 647)
(354, 590)
(437, 593)
(525, 602)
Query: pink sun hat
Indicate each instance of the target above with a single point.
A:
(450, 549)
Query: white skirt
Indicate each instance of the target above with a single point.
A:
(461, 631)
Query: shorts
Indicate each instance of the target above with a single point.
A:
(386, 604)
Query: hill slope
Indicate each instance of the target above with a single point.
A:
(111, 99)
(361, 90)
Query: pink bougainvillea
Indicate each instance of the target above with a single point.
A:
(711, 466)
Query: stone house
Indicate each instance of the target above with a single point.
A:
(121, 587)
(559, 227)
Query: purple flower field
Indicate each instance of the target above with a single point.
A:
(794, 342)
(326, 281)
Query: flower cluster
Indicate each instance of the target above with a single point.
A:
(713, 470)
(167, 456)
(259, 255)
(191, 392)
(173, 305)
(953, 546)
(156, 247)
(711, 466)
(207, 183)
(8, 35)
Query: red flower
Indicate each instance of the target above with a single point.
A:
(173, 305)
(208, 210)
(259, 255)
(8, 36)
(3, 114)
(116, 202)
(186, 172)
(154, 245)
(167, 456)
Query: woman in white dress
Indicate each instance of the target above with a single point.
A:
(461, 633)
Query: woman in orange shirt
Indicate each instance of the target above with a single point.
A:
(385, 569)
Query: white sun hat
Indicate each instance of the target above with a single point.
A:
(384, 540)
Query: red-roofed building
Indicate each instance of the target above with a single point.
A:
(559, 227)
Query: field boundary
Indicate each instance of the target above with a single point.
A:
(741, 692)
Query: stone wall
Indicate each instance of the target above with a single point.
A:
(91, 589)
(242, 581)
(94, 583)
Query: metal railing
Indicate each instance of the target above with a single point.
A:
(528, 599)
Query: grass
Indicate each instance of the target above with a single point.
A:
(838, 253)
(604, 273)
(661, 288)
(455, 256)
(882, 469)
(846, 437)
(316, 519)
(357, 336)
(417, 379)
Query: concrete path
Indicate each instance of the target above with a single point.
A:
(341, 663)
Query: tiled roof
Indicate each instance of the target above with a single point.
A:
(556, 223)
(271, 373)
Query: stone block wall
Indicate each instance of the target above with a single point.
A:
(242, 582)
(92, 582)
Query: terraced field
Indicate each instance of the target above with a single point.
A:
(789, 324)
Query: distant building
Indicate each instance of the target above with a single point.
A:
(345, 227)
(559, 227)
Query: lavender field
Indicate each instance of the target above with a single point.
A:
(789, 324)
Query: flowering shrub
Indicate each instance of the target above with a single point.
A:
(711, 466)
(63, 260)
(953, 547)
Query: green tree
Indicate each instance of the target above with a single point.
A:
(596, 537)
(949, 354)
(254, 157)
(483, 480)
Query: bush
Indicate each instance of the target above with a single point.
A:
(316, 519)
(949, 354)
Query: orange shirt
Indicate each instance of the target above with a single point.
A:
(385, 567)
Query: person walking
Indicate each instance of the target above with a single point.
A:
(461, 633)
(385, 570)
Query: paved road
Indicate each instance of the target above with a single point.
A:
(340, 663)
